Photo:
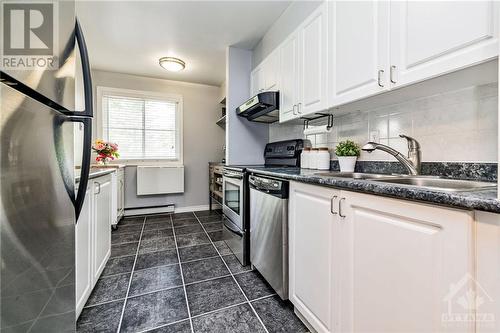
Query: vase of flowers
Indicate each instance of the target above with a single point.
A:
(347, 153)
(106, 151)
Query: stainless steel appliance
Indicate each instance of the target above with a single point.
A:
(269, 231)
(236, 194)
(234, 197)
(38, 206)
(263, 107)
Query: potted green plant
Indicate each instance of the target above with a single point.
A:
(347, 153)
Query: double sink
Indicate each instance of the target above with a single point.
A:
(430, 182)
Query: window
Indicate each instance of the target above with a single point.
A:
(145, 126)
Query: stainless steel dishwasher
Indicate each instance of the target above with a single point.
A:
(269, 231)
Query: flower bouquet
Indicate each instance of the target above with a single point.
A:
(106, 151)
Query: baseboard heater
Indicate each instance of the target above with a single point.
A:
(141, 210)
(154, 180)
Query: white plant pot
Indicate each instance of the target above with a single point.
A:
(347, 163)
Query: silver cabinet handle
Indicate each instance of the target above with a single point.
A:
(298, 107)
(380, 72)
(332, 200)
(293, 110)
(392, 76)
(340, 207)
(98, 188)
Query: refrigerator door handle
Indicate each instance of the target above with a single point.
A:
(87, 78)
(85, 169)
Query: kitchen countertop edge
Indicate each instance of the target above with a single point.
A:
(97, 172)
(485, 200)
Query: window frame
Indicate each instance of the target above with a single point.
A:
(102, 91)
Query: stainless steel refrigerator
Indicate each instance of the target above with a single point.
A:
(40, 204)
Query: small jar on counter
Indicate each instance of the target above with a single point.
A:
(313, 159)
(323, 159)
(305, 157)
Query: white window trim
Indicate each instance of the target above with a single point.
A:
(101, 91)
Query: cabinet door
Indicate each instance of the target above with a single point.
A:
(256, 84)
(431, 38)
(358, 50)
(312, 62)
(289, 78)
(102, 224)
(406, 267)
(311, 246)
(83, 253)
(488, 272)
(271, 71)
(121, 193)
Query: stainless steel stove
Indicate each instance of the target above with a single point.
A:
(236, 193)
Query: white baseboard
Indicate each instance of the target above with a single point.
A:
(169, 209)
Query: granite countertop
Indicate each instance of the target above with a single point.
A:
(485, 200)
(96, 172)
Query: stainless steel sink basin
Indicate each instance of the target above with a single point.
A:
(442, 184)
(356, 175)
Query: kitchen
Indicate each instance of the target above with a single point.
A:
(329, 167)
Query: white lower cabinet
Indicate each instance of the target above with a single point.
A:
(117, 195)
(93, 238)
(311, 226)
(364, 263)
(400, 264)
(120, 176)
(488, 272)
(83, 252)
(102, 224)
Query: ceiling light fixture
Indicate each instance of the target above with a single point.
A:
(172, 64)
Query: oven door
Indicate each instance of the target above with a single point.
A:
(232, 188)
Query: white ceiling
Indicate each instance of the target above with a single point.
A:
(130, 36)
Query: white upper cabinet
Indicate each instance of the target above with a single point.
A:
(313, 62)
(430, 38)
(289, 73)
(265, 77)
(359, 49)
(349, 50)
(270, 71)
(256, 81)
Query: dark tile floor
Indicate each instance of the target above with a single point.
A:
(175, 273)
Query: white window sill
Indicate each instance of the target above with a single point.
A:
(132, 162)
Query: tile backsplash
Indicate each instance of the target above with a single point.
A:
(460, 125)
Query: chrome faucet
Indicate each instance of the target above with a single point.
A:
(411, 163)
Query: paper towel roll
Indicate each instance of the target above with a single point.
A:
(317, 130)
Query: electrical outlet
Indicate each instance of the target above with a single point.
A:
(375, 136)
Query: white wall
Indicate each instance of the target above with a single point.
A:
(203, 139)
(245, 140)
(459, 125)
(284, 25)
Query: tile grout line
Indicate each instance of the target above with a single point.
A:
(102, 303)
(131, 276)
(234, 279)
(48, 301)
(161, 326)
(182, 275)
(196, 316)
